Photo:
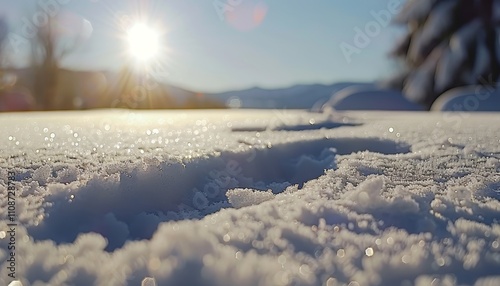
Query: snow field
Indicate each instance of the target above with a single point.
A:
(244, 198)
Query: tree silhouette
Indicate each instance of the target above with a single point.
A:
(4, 31)
(449, 43)
(47, 53)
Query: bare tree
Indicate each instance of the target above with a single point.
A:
(47, 53)
(4, 30)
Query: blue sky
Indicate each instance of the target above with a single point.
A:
(258, 43)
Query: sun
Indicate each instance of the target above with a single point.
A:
(143, 42)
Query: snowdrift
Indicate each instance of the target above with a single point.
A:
(469, 99)
(369, 98)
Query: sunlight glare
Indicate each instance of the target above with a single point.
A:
(143, 42)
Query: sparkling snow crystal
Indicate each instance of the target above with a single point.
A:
(239, 198)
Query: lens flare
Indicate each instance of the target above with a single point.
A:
(247, 15)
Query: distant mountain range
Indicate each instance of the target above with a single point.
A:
(295, 97)
(88, 85)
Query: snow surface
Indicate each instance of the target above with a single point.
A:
(252, 198)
